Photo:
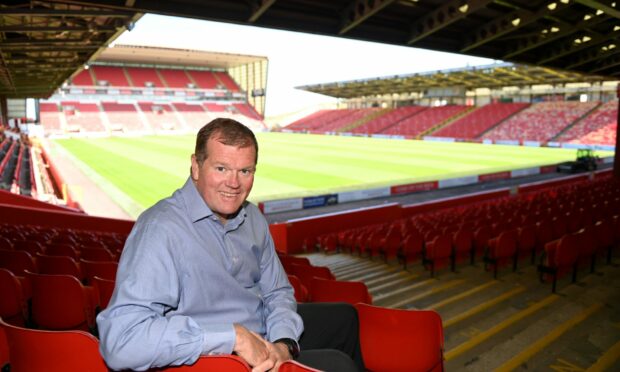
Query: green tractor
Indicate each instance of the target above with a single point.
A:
(586, 161)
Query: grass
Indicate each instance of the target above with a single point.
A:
(149, 168)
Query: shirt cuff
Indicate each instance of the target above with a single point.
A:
(282, 332)
(218, 339)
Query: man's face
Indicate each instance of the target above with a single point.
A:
(225, 178)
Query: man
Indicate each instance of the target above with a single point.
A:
(199, 275)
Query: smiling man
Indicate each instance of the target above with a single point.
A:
(199, 275)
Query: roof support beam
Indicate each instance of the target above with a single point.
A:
(24, 12)
(570, 47)
(259, 7)
(607, 65)
(592, 56)
(563, 29)
(443, 16)
(507, 23)
(360, 10)
(601, 5)
(55, 30)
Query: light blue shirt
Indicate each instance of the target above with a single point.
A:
(184, 279)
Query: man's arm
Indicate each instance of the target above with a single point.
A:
(134, 332)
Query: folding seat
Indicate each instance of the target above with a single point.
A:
(52, 351)
(587, 244)
(462, 247)
(96, 254)
(390, 245)
(301, 292)
(438, 253)
(104, 270)
(18, 262)
(526, 244)
(501, 250)
(13, 307)
(324, 290)
(61, 302)
(605, 238)
(211, 363)
(62, 249)
(104, 288)
(330, 243)
(412, 248)
(400, 340)
(30, 246)
(59, 265)
(560, 257)
(544, 234)
(305, 273)
(482, 235)
(559, 226)
(373, 244)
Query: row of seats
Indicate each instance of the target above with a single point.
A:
(16, 167)
(74, 116)
(495, 121)
(124, 77)
(501, 231)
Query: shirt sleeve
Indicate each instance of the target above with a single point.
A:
(135, 332)
(281, 318)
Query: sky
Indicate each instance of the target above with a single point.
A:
(295, 59)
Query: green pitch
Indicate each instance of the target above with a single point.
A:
(149, 168)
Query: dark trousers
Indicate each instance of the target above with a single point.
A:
(330, 341)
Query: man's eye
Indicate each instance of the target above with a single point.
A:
(246, 172)
(220, 169)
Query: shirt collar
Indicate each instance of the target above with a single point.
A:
(198, 209)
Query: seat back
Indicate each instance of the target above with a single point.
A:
(400, 340)
(293, 366)
(30, 246)
(96, 254)
(104, 270)
(60, 302)
(105, 288)
(440, 247)
(13, 307)
(59, 265)
(62, 249)
(17, 261)
(301, 292)
(52, 351)
(211, 363)
(324, 290)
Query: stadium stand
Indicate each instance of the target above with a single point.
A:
(204, 79)
(83, 78)
(415, 125)
(390, 118)
(51, 118)
(247, 110)
(160, 116)
(227, 82)
(175, 78)
(480, 120)
(192, 115)
(82, 116)
(123, 117)
(540, 122)
(144, 77)
(598, 128)
(109, 76)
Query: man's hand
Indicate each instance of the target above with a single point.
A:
(250, 346)
(278, 354)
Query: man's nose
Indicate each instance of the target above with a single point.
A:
(233, 179)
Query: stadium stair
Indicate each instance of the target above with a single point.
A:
(127, 76)
(447, 122)
(161, 78)
(403, 119)
(579, 120)
(363, 120)
(489, 129)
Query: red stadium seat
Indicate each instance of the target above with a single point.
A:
(301, 292)
(560, 257)
(61, 302)
(13, 307)
(293, 366)
(59, 265)
(211, 363)
(400, 340)
(324, 290)
(305, 273)
(412, 248)
(96, 254)
(29, 246)
(438, 252)
(105, 288)
(502, 250)
(104, 270)
(52, 351)
(462, 246)
(62, 249)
